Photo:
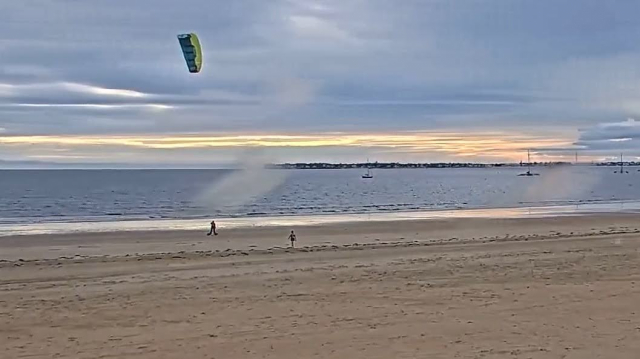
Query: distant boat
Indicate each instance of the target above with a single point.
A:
(528, 173)
(622, 171)
(368, 174)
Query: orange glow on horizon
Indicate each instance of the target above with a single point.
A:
(499, 145)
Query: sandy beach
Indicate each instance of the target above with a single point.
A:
(565, 287)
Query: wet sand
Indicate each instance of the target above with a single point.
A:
(564, 287)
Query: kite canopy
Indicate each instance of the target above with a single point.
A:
(192, 51)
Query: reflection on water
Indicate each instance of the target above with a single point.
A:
(308, 220)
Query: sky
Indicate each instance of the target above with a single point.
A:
(104, 83)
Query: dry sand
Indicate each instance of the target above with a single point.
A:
(467, 288)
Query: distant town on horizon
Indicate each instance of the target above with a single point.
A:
(391, 165)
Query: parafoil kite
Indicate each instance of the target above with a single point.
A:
(192, 51)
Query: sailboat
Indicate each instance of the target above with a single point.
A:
(528, 173)
(622, 171)
(368, 174)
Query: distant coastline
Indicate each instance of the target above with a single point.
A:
(393, 165)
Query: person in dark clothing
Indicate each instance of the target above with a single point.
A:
(213, 229)
(292, 238)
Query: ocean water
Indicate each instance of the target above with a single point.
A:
(46, 196)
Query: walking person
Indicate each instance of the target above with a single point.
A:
(292, 238)
(213, 229)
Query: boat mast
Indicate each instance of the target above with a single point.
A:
(528, 161)
(621, 163)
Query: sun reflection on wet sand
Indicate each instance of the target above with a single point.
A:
(314, 220)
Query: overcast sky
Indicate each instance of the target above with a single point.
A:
(104, 81)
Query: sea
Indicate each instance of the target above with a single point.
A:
(38, 201)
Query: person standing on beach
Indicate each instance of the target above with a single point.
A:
(292, 238)
(213, 229)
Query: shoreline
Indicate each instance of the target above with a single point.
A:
(144, 225)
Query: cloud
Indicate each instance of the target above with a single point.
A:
(293, 92)
(612, 131)
(608, 139)
(91, 106)
(92, 69)
(75, 87)
(600, 142)
(310, 26)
